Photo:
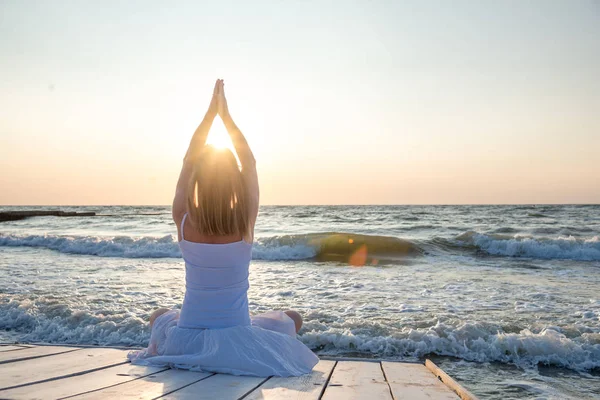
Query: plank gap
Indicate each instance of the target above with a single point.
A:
(63, 376)
(386, 381)
(182, 387)
(104, 387)
(357, 380)
(35, 356)
(327, 381)
(17, 348)
(253, 389)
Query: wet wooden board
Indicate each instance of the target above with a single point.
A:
(100, 379)
(218, 386)
(297, 388)
(11, 348)
(357, 380)
(32, 352)
(413, 382)
(148, 387)
(50, 372)
(56, 366)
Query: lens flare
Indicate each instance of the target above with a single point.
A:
(359, 257)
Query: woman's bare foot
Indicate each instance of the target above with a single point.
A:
(296, 317)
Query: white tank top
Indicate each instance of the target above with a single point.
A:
(216, 284)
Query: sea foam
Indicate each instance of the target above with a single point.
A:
(472, 341)
(566, 248)
(322, 246)
(467, 341)
(146, 247)
(119, 246)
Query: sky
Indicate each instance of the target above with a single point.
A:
(342, 102)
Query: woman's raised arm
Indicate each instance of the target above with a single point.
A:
(194, 150)
(199, 138)
(237, 138)
(245, 155)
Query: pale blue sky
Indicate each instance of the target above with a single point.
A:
(344, 102)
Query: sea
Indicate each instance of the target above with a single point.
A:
(506, 299)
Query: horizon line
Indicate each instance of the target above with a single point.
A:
(314, 205)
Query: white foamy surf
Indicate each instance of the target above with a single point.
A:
(302, 248)
(145, 247)
(561, 248)
(57, 323)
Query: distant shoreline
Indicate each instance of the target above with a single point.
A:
(19, 215)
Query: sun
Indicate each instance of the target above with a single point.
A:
(218, 136)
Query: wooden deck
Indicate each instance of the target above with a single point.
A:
(54, 372)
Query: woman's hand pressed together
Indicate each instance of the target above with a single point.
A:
(223, 109)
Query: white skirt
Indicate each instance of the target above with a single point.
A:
(268, 347)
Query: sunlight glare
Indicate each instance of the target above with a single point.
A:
(218, 135)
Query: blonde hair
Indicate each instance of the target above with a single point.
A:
(217, 202)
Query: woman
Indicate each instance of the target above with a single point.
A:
(215, 209)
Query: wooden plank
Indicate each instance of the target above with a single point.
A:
(86, 346)
(11, 348)
(18, 344)
(149, 387)
(448, 381)
(220, 386)
(304, 387)
(357, 380)
(415, 381)
(74, 385)
(361, 359)
(60, 365)
(33, 352)
(24, 346)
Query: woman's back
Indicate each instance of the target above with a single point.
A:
(216, 278)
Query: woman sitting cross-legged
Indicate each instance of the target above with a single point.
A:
(215, 209)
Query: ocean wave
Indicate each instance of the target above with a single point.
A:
(273, 250)
(349, 248)
(419, 227)
(538, 215)
(562, 248)
(346, 247)
(334, 246)
(505, 229)
(547, 230)
(53, 322)
(119, 246)
(469, 341)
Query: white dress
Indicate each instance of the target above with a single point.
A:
(214, 332)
